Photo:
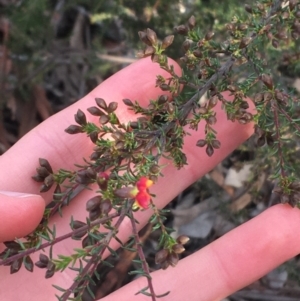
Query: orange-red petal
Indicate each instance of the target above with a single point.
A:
(143, 183)
(142, 199)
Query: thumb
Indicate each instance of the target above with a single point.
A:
(19, 214)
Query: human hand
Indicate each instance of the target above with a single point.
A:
(233, 261)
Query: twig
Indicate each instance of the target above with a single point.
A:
(91, 266)
(58, 239)
(279, 144)
(142, 256)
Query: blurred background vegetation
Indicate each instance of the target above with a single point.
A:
(55, 51)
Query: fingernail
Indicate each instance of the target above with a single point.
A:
(16, 194)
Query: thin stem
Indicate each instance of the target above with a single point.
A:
(279, 144)
(142, 256)
(91, 266)
(288, 117)
(58, 239)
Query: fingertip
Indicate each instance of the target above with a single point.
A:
(20, 214)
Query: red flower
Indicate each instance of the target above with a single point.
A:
(142, 197)
(139, 192)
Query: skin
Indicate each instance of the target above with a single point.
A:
(226, 265)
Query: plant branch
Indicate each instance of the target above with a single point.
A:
(91, 266)
(279, 144)
(142, 256)
(58, 239)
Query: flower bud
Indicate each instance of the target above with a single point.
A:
(281, 35)
(279, 95)
(155, 58)
(209, 35)
(151, 35)
(94, 136)
(197, 53)
(16, 265)
(178, 248)
(128, 102)
(94, 214)
(167, 41)
(85, 242)
(144, 38)
(267, 80)
(201, 143)
(155, 169)
(105, 206)
(93, 203)
(101, 103)
(112, 107)
(209, 150)
(74, 129)
(191, 22)
(149, 50)
(103, 119)
(42, 171)
(213, 101)
(164, 265)
(268, 96)
(245, 42)
(181, 29)
(212, 120)
(183, 239)
(50, 270)
(80, 117)
(162, 99)
(161, 256)
(186, 45)
(216, 144)
(173, 259)
(102, 180)
(46, 164)
(77, 225)
(44, 188)
(38, 178)
(12, 245)
(244, 105)
(49, 180)
(95, 111)
(275, 43)
(82, 178)
(125, 192)
(43, 261)
(95, 155)
(170, 108)
(248, 8)
(165, 87)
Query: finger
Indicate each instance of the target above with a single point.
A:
(230, 263)
(48, 140)
(19, 214)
